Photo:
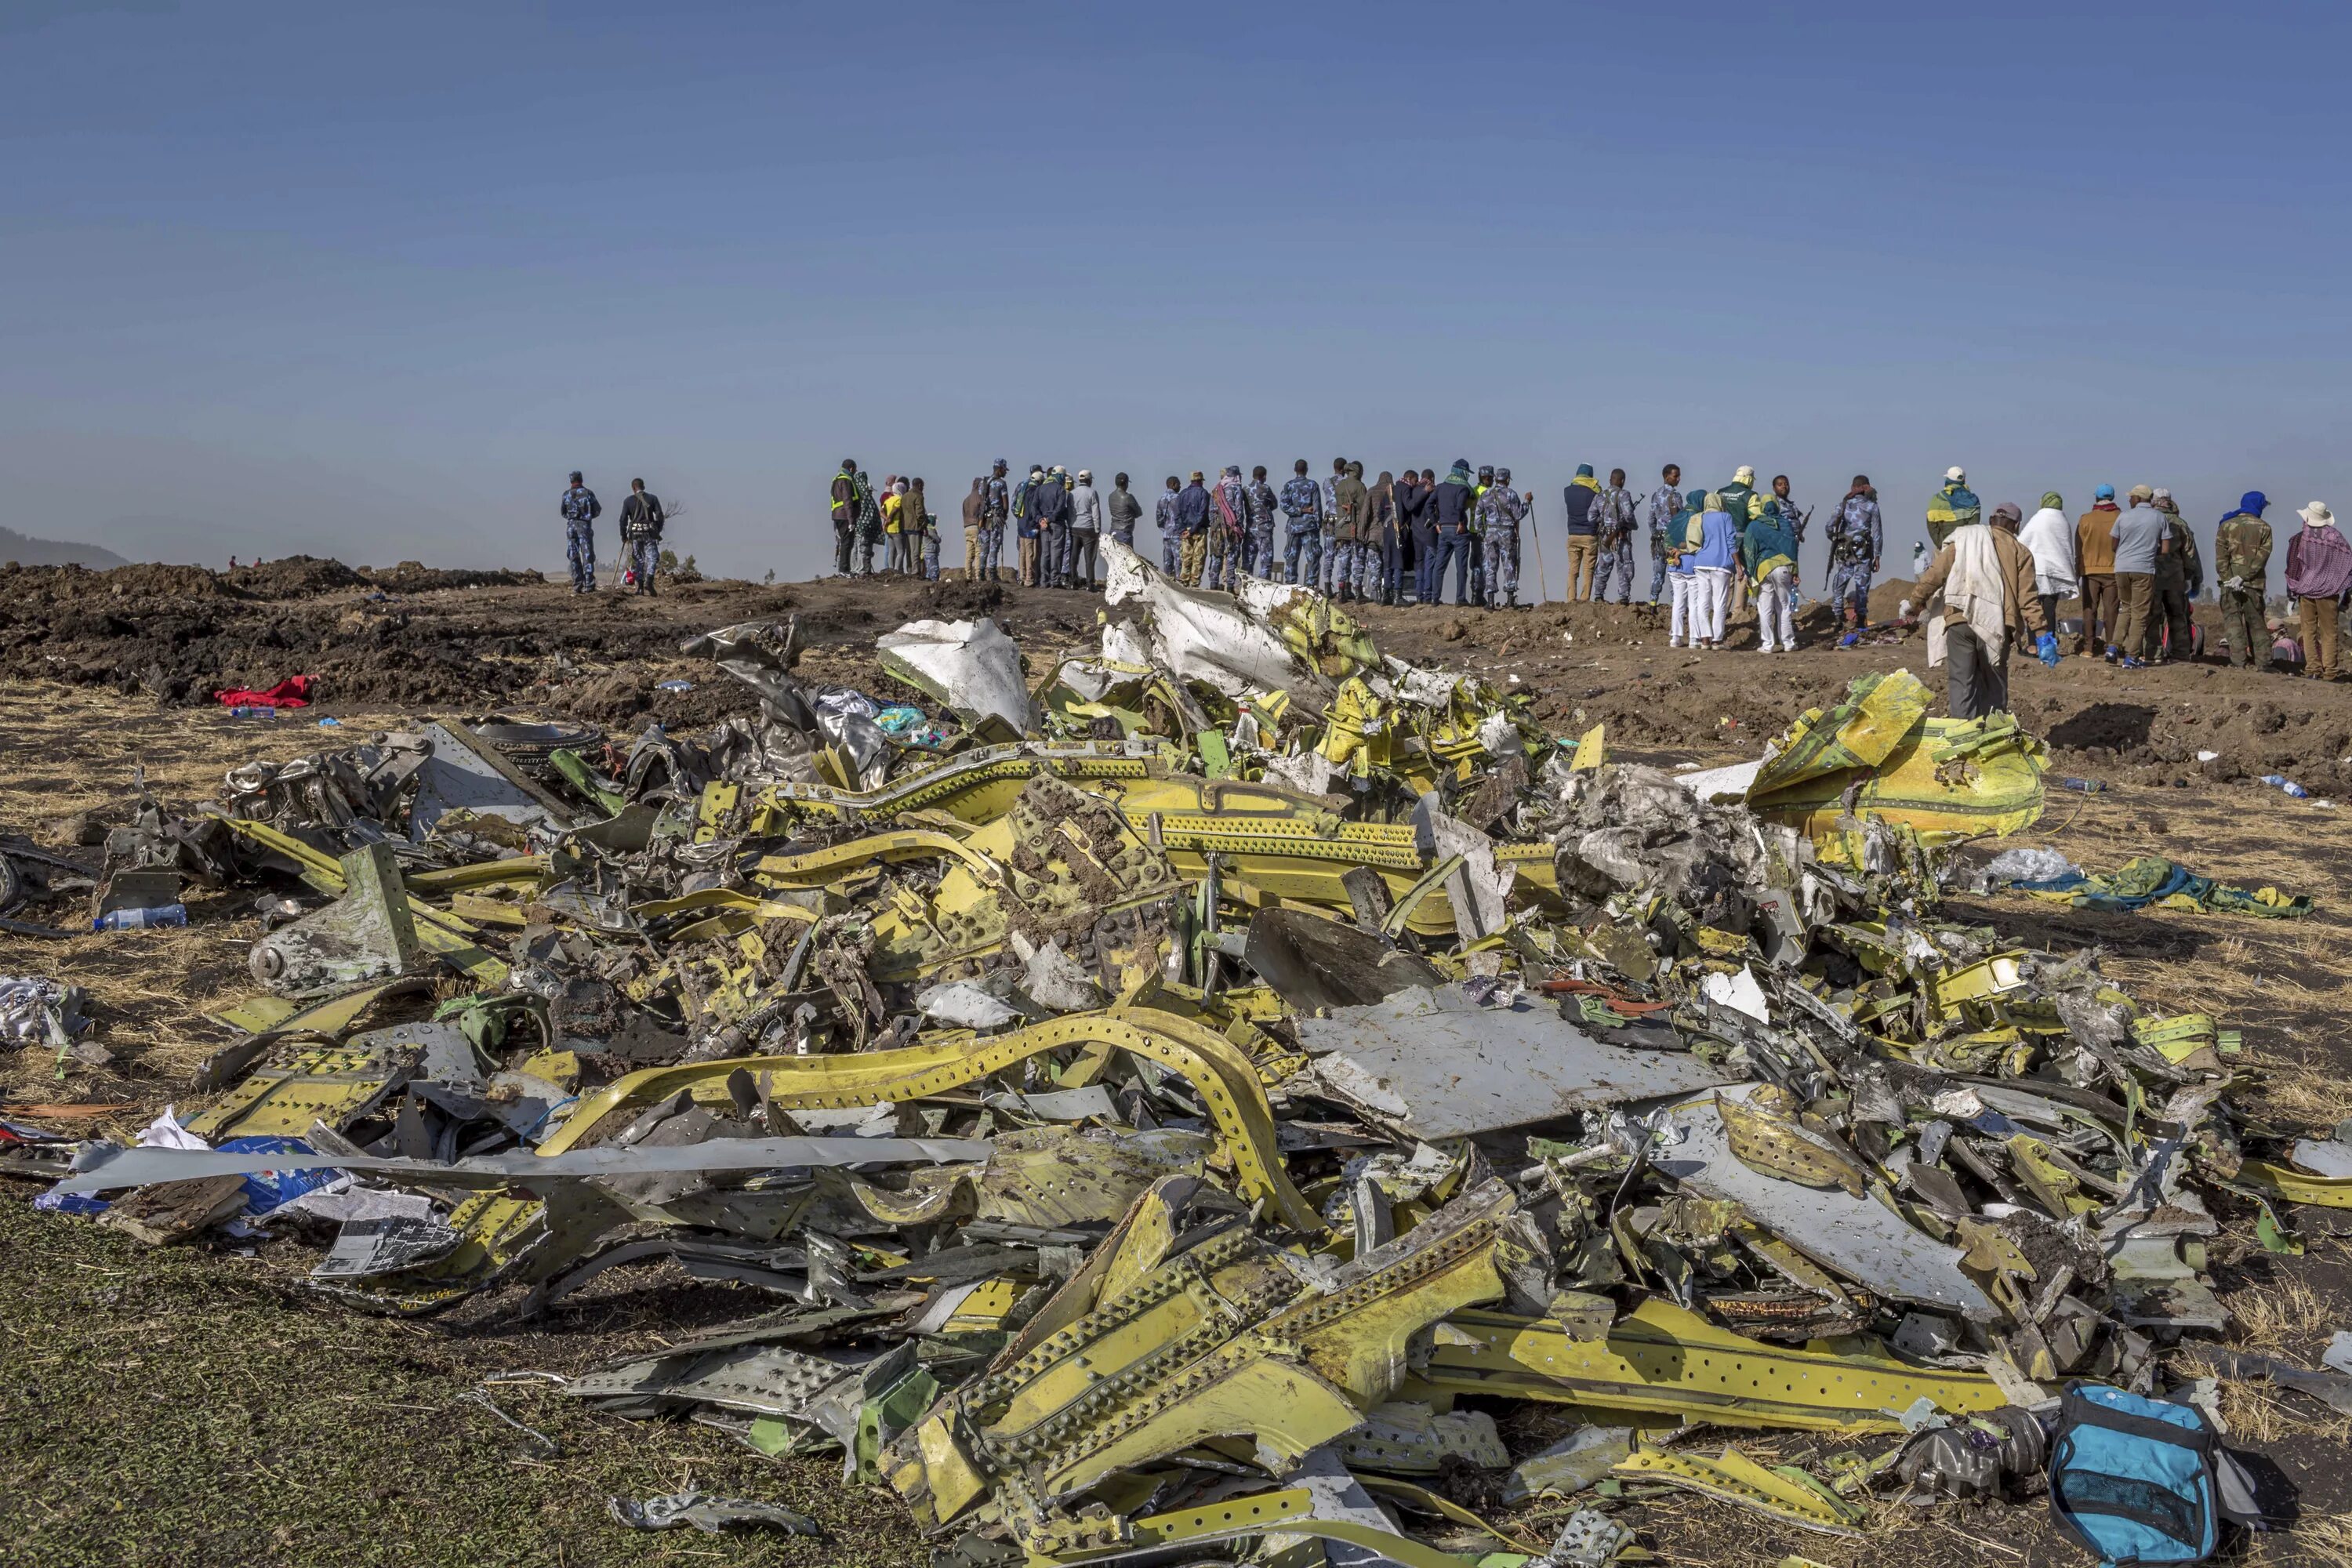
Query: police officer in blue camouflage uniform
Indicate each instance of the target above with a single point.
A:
(996, 506)
(1302, 505)
(1613, 516)
(580, 510)
(1324, 581)
(1259, 560)
(1855, 534)
(1163, 516)
(1665, 503)
(1500, 512)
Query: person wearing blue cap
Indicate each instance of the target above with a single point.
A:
(2242, 561)
(2094, 569)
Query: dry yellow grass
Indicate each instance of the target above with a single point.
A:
(2325, 1543)
(70, 749)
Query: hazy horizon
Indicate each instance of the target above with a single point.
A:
(368, 285)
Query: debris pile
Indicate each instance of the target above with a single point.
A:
(1181, 1094)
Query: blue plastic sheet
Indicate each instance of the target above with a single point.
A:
(268, 1190)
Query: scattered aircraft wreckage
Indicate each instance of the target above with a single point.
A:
(1174, 1093)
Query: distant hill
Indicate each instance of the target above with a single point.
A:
(28, 551)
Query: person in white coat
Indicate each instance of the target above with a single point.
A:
(2049, 536)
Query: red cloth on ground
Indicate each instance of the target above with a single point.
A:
(294, 691)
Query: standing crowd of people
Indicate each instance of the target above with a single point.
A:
(1984, 585)
(894, 522)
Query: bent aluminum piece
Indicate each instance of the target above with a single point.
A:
(1856, 1236)
(106, 1168)
(1433, 1064)
(971, 666)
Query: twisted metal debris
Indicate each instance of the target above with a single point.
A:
(1171, 1093)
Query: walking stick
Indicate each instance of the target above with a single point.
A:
(1543, 579)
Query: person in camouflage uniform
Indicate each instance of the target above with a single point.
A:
(1258, 561)
(2242, 561)
(1613, 519)
(1163, 517)
(1327, 582)
(996, 506)
(1351, 528)
(1302, 505)
(581, 510)
(1856, 536)
(1376, 578)
(1228, 529)
(1665, 505)
(1500, 512)
(2179, 578)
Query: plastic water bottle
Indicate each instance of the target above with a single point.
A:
(2286, 785)
(253, 711)
(2083, 786)
(139, 920)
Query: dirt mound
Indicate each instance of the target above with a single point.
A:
(294, 577)
(960, 600)
(30, 585)
(416, 577)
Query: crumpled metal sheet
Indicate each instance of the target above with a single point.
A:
(1208, 636)
(1434, 1064)
(1857, 1237)
(971, 666)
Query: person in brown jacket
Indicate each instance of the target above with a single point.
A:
(1987, 579)
(2095, 568)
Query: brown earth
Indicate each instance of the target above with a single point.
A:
(200, 1407)
(414, 638)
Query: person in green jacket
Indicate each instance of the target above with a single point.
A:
(1737, 495)
(1767, 558)
(1953, 507)
(2242, 561)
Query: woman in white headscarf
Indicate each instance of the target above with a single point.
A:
(2050, 535)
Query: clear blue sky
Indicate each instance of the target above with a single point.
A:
(368, 281)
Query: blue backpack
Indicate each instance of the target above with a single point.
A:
(2136, 1480)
